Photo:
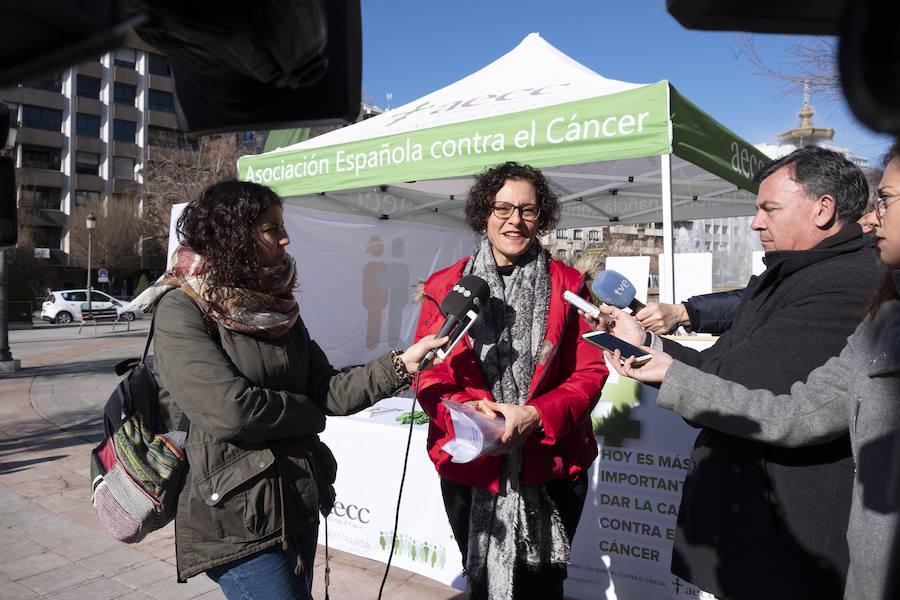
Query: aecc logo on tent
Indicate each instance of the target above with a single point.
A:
(478, 101)
(743, 161)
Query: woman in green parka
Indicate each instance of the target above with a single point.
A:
(233, 355)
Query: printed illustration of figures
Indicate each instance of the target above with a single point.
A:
(432, 554)
(374, 291)
(385, 286)
(398, 284)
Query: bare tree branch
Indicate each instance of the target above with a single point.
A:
(113, 240)
(809, 61)
(177, 171)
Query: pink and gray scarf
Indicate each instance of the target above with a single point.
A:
(265, 314)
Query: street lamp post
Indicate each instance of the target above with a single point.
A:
(90, 222)
(5, 354)
(7, 142)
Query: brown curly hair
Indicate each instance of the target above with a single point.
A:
(218, 225)
(486, 186)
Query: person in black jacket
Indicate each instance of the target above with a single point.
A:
(706, 313)
(712, 313)
(757, 521)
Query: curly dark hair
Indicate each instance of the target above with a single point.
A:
(219, 226)
(486, 186)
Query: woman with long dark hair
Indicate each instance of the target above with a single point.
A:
(859, 391)
(233, 355)
(514, 512)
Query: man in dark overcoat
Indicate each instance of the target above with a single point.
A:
(758, 521)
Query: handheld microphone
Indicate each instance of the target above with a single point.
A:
(460, 307)
(614, 288)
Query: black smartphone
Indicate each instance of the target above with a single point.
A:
(607, 341)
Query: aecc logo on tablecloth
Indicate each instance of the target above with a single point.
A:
(351, 511)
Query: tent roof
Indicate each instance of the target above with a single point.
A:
(561, 79)
(598, 140)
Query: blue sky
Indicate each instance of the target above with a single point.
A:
(413, 48)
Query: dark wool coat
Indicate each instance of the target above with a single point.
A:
(757, 521)
(713, 313)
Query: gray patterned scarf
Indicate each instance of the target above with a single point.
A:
(520, 526)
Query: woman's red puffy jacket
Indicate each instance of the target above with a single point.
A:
(564, 389)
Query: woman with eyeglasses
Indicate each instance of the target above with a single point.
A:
(859, 389)
(513, 513)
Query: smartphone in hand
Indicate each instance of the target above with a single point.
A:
(607, 341)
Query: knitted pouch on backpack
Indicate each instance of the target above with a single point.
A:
(137, 469)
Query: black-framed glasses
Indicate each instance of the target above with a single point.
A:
(881, 203)
(504, 210)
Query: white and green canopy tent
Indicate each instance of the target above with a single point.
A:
(615, 152)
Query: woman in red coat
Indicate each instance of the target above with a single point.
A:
(514, 513)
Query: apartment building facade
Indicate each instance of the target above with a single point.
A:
(571, 244)
(81, 137)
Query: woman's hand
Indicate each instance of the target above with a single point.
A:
(652, 371)
(599, 324)
(623, 325)
(413, 355)
(521, 421)
(483, 406)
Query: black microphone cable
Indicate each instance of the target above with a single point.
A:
(412, 423)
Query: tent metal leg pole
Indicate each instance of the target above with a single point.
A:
(667, 266)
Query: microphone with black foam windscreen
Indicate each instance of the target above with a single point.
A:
(460, 307)
(614, 289)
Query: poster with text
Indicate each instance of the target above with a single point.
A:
(623, 546)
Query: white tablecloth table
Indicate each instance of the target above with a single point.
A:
(623, 545)
(369, 447)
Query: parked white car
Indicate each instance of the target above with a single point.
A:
(65, 306)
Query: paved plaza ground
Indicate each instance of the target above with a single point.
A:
(51, 544)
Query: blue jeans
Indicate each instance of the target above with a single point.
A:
(269, 575)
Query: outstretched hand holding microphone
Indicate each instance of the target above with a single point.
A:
(460, 309)
(616, 290)
(617, 293)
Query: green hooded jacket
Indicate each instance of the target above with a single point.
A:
(255, 408)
